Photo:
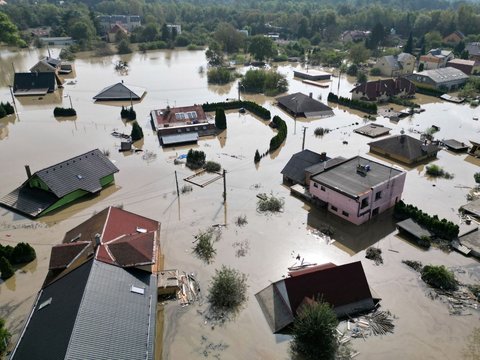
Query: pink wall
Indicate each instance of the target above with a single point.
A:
(390, 191)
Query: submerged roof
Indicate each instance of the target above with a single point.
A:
(441, 75)
(346, 178)
(372, 130)
(96, 311)
(120, 91)
(405, 146)
(26, 82)
(281, 300)
(299, 103)
(295, 168)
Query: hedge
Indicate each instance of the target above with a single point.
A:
(59, 111)
(248, 105)
(278, 139)
(403, 102)
(6, 109)
(370, 108)
(441, 228)
(429, 91)
(128, 113)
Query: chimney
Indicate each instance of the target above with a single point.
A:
(310, 95)
(29, 173)
(323, 156)
(97, 240)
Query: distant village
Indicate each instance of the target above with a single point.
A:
(106, 277)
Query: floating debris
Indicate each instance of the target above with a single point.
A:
(374, 254)
(149, 156)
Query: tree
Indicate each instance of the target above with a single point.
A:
(137, 132)
(124, 47)
(6, 269)
(150, 32)
(4, 336)
(9, 32)
(314, 331)
(459, 48)
(23, 253)
(227, 291)
(409, 45)
(261, 47)
(257, 157)
(476, 176)
(220, 119)
(81, 31)
(421, 66)
(362, 77)
(439, 277)
(214, 54)
(230, 39)
(358, 53)
(195, 159)
(433, 39)
(377, 36)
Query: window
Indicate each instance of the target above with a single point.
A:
(364, 203)
(322, 188)
(315, 185)
(344, 213)
(378, 195)
(334, 208)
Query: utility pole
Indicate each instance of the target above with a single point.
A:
(176, 181)
(71, 106)
(303, 142)
(238, 90)
(224, 186)
(13, 100)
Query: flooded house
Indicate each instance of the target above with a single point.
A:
(311, 74)
(282, 300)
(396, 65)
(61, 184)
(119, 92)
(301, 105)
(436, 59)
(34, 83)
(469, 67)
(99, 298)
(358, 189)
(181, 125)
(447, 78)
(295, 170)
(404, 149)
(383, 90)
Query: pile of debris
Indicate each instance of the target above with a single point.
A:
(460, 302)
(189, 290)
(375, 255)
(373, 324)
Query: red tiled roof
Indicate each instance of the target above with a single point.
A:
(62, 255)
(132, 250)
(169, 115)
(120, 222)
(340, 285)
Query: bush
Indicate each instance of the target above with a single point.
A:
(476, 176)
(124, 47)
(278, 139)
(370, 108)
(320, 131)
(314, 332)
(257, 157)
(204, 248)
(3, 113)
(60, 111)
(268, 82)
(219, 75)
(439, 277)
(220, 119)
(128, 113)
(228, 291)
(441, 228)
(375, 72)
(212, 166)
(352, 70)
(375, 255)
(7, 109)
(429, 91)
(137, 132)
(415, 265)
(434, 170)
(6, 268)
(248, 105)
(22, 253)
(195, 159)
(4, 336)
(270, 203)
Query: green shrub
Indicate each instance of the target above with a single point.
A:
(270, 204)
(219, 75)
(22, 253)
(439, 277)
(248, 105)
(370, 108)
(278, 139)
(227, 291)
(4, 337)
(212, 166)
(3, 112)
(128, 113)
(204, 248)
(268, 82)
(429, 91)
(375, 72)
(195, 159)
(6, 268)
(137, 132)
(434, 170)
(257, 157)
(6, 109)
(476, 176)
(314, 332)
(220, 119)
(60, 111)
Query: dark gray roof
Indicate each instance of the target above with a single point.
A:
(473, 207)
(81, 172)
(48, 330)
(93, 315)
(302, 104)
(405, 146)
(473, 48)
(34, 80)
(414, 228)
(29, 201)
(295, 168)
(442, 75)
(120, 91)
(345, 178)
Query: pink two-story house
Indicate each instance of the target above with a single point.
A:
(358, 189)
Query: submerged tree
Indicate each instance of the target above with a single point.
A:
(220, 119)
(314, 332)
(6, 269)
(228, 291)
(137, 132)
(4, 336)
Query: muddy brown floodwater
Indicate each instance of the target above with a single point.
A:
(424, 329)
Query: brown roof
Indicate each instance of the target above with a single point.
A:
(131, 250)
(64, 254)
(389, 87)
(178, 115)
(466, 66)
(340, 285)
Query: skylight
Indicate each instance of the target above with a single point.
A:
(46, 303)
(137, 290)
